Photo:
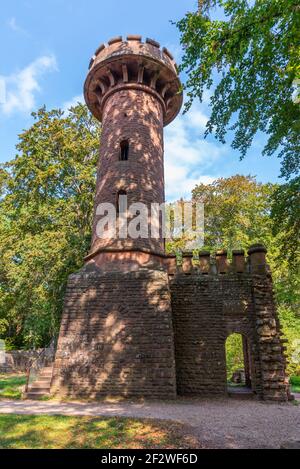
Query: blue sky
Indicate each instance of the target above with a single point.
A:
(45, 50)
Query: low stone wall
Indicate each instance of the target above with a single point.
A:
(19, 360)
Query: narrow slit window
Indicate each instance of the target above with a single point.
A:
(124, 150)
(119, 201)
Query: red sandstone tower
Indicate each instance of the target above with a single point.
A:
(116, 335)
(134, 323)
(133, 89)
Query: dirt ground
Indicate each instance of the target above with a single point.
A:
(219, 423)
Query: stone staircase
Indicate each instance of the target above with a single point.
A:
(41, 386)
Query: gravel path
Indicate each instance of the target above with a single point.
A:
(224, 423)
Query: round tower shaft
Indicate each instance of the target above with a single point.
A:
(134, 90)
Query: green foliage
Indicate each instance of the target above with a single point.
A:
(236, 212)
(295, 383)
(290, 322)
(46, 208)
(234, 354)
(253, 56)
(286, 219)
(3, 327)
(255, 50)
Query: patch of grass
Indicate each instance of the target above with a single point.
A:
(58, 431)
(295, 383)
(10, 385)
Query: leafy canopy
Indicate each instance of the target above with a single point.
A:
(286, 220)
(255, 51)
(237, 212)
(46, 206)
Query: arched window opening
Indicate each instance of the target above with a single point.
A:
(124, 150)
(238, 364)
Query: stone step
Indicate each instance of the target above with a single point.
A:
(40, 384)
(46, 372)
(39, 389)
(44, 378)
(240, 393)
(35, 394)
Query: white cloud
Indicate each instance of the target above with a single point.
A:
(196, 119)
(189, 158)
(180, 181)
(22, 86)
(72, 102)
(13, 25)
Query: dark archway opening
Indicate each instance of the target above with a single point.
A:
(238, 364)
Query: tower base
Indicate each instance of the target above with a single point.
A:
(116, 336)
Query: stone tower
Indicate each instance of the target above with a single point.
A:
(134, 322)
(133, 88)
(116, 334)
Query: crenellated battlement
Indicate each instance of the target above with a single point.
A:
(129, 64)
(133, 44)
(207, 263)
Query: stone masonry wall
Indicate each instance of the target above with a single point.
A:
(271, 347)
(135, 116)
(207, 308)
(116, 336)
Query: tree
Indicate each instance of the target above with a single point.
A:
(255, 54)
(237, 212)
(286, 219)
(46, 207)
